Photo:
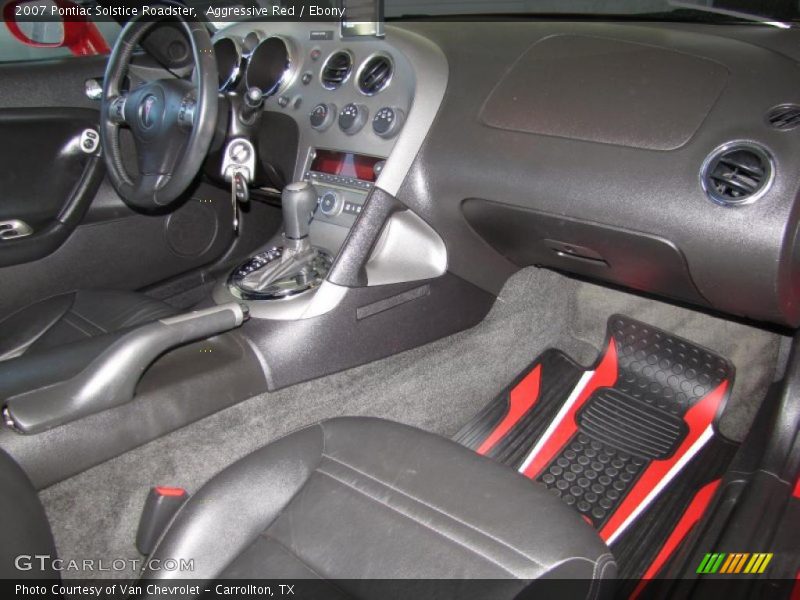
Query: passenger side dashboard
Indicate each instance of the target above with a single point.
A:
(589, 148)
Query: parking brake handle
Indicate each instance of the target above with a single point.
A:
(111, 378)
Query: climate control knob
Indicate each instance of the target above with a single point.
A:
(322, 116)
(388, 121)
(353, 118)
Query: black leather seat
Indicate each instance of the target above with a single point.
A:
(355, 498)
(26, 531)
(359, 500)
(73, 317)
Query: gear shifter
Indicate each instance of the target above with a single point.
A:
(298, 200)
(295, 267)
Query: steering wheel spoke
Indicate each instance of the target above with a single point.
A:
(116, 109)
(161, 154)
(147, 187)
(187, 112)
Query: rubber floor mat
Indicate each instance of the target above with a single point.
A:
(610, 439)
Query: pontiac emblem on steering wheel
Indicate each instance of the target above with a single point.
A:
(146, 111)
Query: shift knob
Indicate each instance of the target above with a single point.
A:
(298, 200)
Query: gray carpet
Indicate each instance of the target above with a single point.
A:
(437, 387)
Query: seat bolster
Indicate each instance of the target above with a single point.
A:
(113, 310)
(24, 327)
(236, 506)
(96, 312)
(74, 317)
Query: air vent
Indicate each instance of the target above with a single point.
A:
(375, 74)
(336, 70)
(737, 173)
(784, 117)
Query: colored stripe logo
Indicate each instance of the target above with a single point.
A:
(734, 563)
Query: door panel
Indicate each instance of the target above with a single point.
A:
(49, 177)
(125, 253)
(98, 242)
(51, 83)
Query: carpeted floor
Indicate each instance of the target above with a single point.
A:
(437, 387)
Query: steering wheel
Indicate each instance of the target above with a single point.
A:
(172, 120)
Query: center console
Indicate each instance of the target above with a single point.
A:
(354, 101)
(355, 275)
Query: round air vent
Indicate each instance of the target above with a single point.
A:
(375, 74)
(784, 117)
(336, 70)
(737, 173)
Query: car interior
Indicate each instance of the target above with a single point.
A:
(402, 296)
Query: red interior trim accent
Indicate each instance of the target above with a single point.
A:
(697, 507)
(521, 399)
(170, 491)
(605, 375)
(796, 492)
(699, 417)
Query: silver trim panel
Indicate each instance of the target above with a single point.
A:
(231, 162)
(14, 229)
(305, 306)
(432, 73)
(408, 250)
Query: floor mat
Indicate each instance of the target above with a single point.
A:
(610, 439)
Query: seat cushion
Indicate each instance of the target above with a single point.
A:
(26, 531)
(76, 316)
(367, 499)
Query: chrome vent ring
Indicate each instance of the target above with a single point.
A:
(784, 117)
(737, 173)
(336, 70)
(375, 74)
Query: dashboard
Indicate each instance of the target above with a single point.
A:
(659, 157)
(612, 151)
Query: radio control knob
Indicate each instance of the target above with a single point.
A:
(322, 116)
(388, 121)
(330, 204)
(353, 118)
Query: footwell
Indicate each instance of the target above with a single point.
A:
(634, 433)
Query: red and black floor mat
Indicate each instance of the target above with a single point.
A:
(611, 439)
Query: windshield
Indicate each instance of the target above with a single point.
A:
(688, 10)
